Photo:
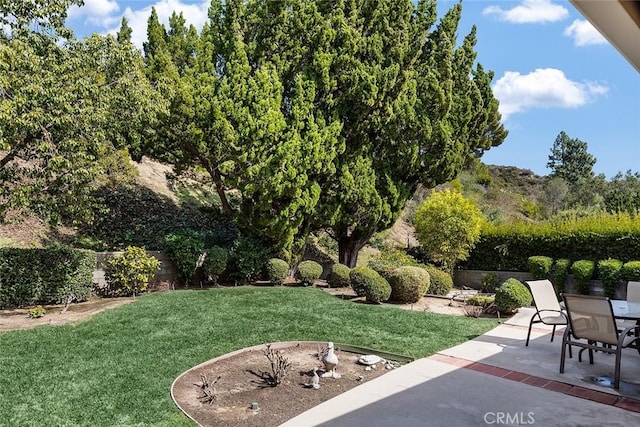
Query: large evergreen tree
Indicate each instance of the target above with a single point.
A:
(324, 114)
(570, 159)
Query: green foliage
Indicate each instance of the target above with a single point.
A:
(448, 226)
(50, 275)
(130, 272)
(408, 284)
(215, 262)
(385, 268)
(623, 193)
(512, 295)
(308, 272)
(540, 266)
(609, 272)
(441, 281)
(583, 271)
(507, 247)
(489, 283)
(184, 249)
(480, 300)
(560, 273)
(36, 312)
(366, 282)
(631, 270)
(277, 271)
(339, 276)
(247, 258)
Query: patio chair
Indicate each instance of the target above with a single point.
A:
(591, 319)
(548, 310)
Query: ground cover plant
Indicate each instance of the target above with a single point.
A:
(117, 367)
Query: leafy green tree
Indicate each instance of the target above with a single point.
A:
(570, 160)
(623, 193)
(448, 227)
(319, 115)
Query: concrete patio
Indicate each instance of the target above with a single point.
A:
(494, 380)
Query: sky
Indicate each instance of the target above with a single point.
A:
(553, 72)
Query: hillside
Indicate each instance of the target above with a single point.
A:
(506, 196)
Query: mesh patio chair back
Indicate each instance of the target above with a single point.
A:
(591, 318)
(548, 310)
(633, 291)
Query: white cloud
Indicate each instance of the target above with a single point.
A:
(542, 88)
(97, 12)
(584, 34)
(529, 12)
(194, 13)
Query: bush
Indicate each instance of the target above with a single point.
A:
(631, 270)
(582, 273)
(408, 284)
(130, 272)
(215, 262)
(368, 283)
(37, 311)
(441, 282)
(184, 249)
(383, 267)
(277, 271)
(308, 272)
(609, 272)
(489, 283)
(540, 266)
(339, 276)
(512, 295)
(247, 258)
(480, 300)
(560, 273)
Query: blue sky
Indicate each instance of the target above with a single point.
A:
(553, 73)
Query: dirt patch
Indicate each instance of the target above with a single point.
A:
(16, 319)
(241, 385)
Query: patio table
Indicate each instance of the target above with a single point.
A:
(625, 310)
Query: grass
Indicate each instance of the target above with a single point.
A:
(117, 367)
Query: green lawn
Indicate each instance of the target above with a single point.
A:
(117, 368)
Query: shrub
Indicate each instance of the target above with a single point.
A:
(512, 295)
(631, 270)
(130, 272)
(339, 276)
(37, 311)
(408, 284)
(489, 283)
(441, 282)
(609, 272)
(383, 267)
(277, 271)
(480, 300)
(184, 249)
(582, 271)
(247, 258)
(215, 262)
(308, 272)
(540, 266)
(560, 273)
(368, 283)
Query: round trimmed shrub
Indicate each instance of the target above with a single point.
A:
(540, 266)
(512, 295)
(366, 282)
(441, 282)
(384, 268)
(609, 272)
(277, 271)
(338, 276)
(308, 272)
(631, 270)
(561, 271)
(408, 284)
(582, 273)
(129, 273)
(215, 262)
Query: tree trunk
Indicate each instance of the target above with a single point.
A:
(350, 243)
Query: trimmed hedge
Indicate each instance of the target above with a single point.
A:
(609, 273)
(583, 271)
(441, 281)
(512, 295)
(631, 270)
(560, 273)
(308, 272)
(408, 284)
(366, 282)
(277, 271)
(540, 266)
(45, 275)
(338, 276)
